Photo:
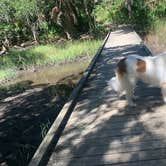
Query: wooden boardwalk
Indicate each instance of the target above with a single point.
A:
(102, 129)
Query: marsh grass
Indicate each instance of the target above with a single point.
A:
(44, 128)
(46, 54)
(159, 30)
(6, 72)
(155, 39)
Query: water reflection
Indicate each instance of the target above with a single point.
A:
(52, 74)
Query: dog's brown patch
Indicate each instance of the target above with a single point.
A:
(141, 66)
(121, 68)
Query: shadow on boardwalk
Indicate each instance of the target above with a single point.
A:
(119, 134)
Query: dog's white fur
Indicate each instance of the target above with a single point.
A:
(154, 74)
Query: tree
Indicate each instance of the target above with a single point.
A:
(65, 18)
(21, 19)
(73, 16)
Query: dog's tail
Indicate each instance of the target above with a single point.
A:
(115, 84)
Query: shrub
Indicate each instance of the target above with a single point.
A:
(139, 13)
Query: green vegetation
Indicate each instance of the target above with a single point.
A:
(44, 128)
(139, 13)
(46, 54)
(36, 19)
(159, 30)
(46, 20)
(43, 20)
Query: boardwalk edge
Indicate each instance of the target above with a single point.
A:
(53, 135)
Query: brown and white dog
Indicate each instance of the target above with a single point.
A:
(129, 70)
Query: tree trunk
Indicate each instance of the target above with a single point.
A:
(34, 33)
(128, 4)
(65, 18)
(88, 14)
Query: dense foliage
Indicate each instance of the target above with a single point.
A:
(140, 13)
(22, 20)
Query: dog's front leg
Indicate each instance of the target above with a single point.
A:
(129, 95)
(163, 90)
(129, 85)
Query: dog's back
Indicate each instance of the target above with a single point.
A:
(132, 66)
(149, 69)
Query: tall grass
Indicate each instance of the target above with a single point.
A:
(155, 39)
(46, 54)
(159, 30)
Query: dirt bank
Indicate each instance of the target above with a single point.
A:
(28, 106)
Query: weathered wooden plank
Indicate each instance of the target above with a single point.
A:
(97, 149)
(118, 125)
(138, 125)
(128, 139)
(155, 162)
(158, 162)
(107, 159)
(121, 119)
(112, 141)
(152, 162)
(112, 133)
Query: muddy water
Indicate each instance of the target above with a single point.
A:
(29, 105)
(53, 74)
